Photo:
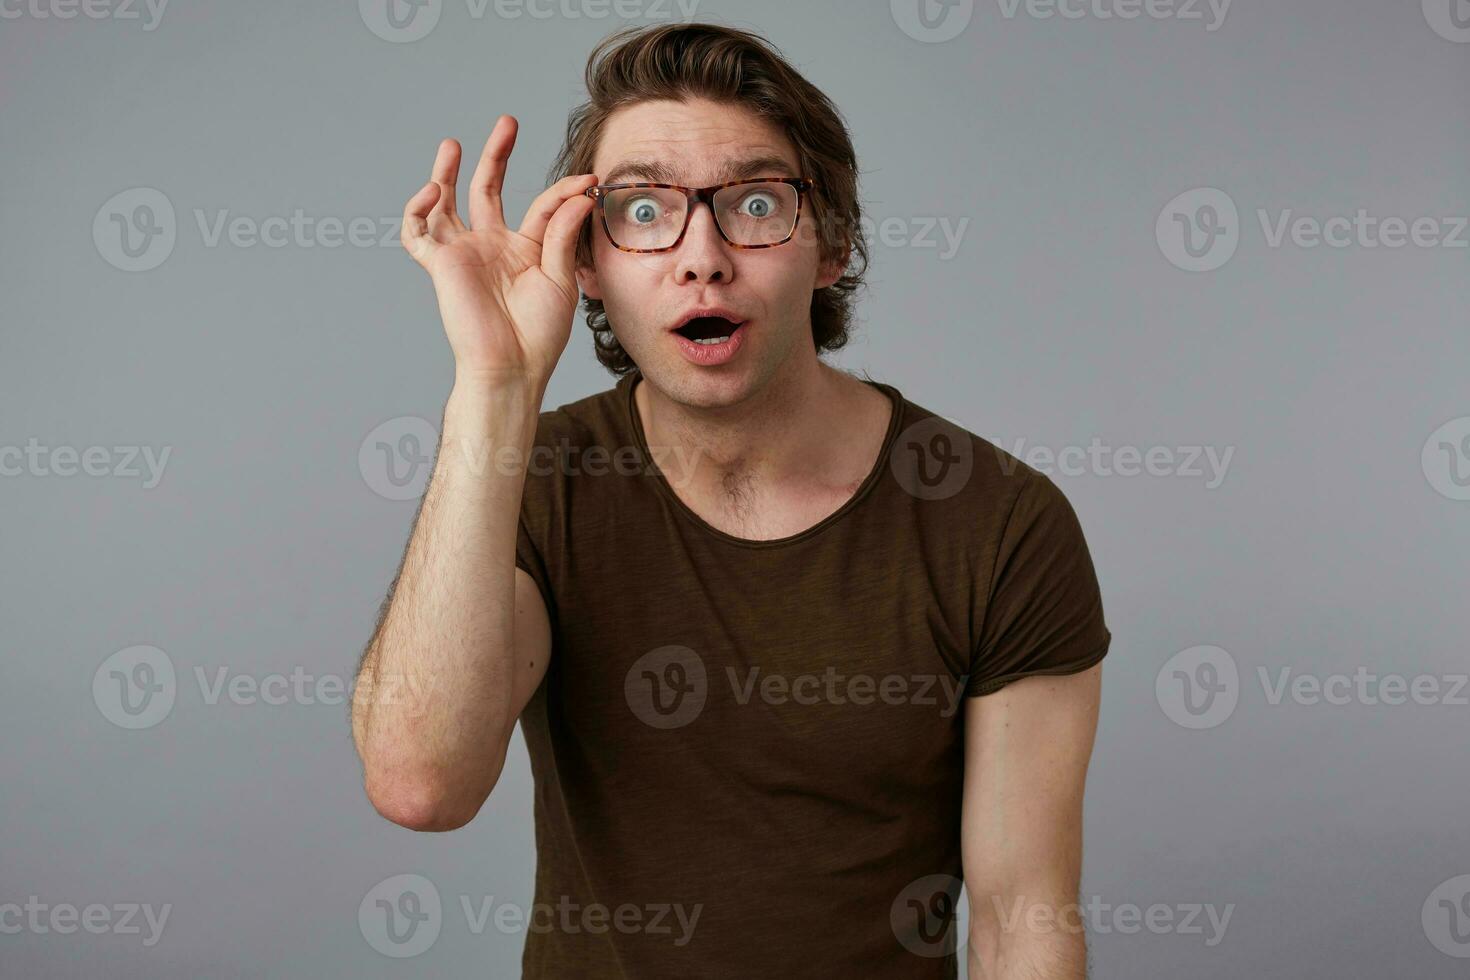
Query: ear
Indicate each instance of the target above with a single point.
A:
(830, 272)
(587, 282)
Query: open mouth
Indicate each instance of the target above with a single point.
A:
(709, 330)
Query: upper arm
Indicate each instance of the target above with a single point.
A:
(1027, 748)
(531, 644)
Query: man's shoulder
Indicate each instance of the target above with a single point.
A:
(1004, 515)
(939, 457)
(589, 420)
(574, 442)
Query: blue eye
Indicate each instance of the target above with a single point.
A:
(642, 210)
(759, 204)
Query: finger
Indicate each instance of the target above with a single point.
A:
(414, 231)
(549, 200)
(559, 250)
(446, 174)
(488, 181)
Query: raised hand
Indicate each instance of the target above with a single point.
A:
(506, 297)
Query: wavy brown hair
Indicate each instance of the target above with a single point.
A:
(723, 64)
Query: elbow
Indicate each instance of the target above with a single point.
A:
(423, 805)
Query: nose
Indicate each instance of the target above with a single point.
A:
(703, 256)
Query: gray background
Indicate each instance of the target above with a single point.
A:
(265, 549)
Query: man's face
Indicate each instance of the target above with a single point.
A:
(699, 143)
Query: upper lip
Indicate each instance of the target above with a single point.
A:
(700, 311)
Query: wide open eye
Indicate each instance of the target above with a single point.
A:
(757, 213)
(644, 217)
(642, 210)
(758, 204)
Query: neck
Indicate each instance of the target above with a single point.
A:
(791, 431)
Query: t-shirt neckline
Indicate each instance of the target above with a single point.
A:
(632, 419)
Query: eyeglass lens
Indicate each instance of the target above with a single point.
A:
(749, 214)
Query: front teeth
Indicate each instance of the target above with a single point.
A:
(713, 340)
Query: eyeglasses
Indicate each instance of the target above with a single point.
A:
(761, 212)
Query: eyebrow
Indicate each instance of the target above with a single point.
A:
(657, 172)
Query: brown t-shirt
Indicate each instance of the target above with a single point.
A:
(748, 755)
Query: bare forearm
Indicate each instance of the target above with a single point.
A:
(432, 714)
(1017, 941)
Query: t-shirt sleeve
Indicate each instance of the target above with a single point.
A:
(1044, 610)
(529, 559)
(537, 549)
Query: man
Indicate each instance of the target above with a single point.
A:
(791, 654)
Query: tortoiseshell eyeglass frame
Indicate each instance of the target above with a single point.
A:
(599, 192)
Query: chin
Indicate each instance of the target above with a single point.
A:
(699, 387)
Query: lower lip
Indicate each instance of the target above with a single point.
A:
(710, 355)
